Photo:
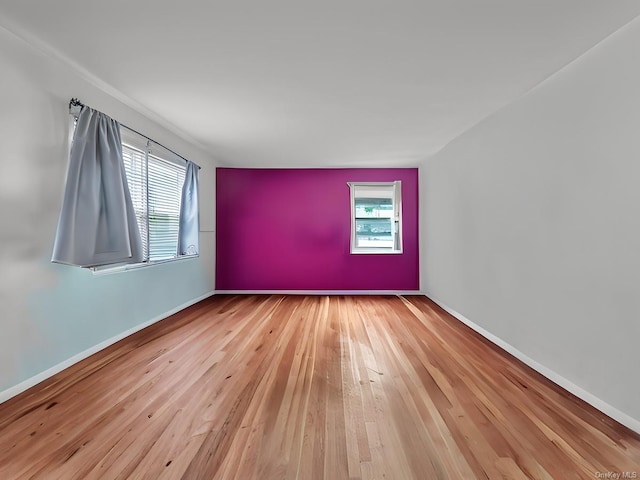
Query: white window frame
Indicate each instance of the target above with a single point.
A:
(148, 148)
(385, 188)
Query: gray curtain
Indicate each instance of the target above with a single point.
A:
(97, 224)
(188, 237)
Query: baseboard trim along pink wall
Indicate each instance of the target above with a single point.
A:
(289, 229)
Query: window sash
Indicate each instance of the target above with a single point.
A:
(376, 219)
(156, 192)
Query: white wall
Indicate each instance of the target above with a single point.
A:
(532, 223)
(51, 313)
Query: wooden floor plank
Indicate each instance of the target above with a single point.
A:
(307, 387)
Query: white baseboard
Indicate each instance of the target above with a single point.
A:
(591, 399)
(318, 292)
(30, 382)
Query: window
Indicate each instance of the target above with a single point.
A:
(157, 180)
(155, 177)
(376, 217)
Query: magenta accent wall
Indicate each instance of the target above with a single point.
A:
(289, 229)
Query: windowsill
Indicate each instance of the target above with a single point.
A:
(126, 267)
(376, 251)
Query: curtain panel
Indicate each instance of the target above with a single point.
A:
(188, 235)
(97, 224)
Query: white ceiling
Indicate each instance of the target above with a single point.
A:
(326, 83)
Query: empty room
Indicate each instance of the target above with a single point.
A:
(320, 240)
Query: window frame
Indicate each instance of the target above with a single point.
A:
(396, 219)
(150, 149)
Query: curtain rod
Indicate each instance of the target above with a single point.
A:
(76, 105)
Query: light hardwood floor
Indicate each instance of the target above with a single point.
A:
(283, 387)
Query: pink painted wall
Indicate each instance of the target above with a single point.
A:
(290, 230)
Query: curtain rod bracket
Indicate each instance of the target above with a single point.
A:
(75, 106)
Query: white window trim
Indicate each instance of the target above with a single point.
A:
(139, 142)
(126, 267)
(397, 218)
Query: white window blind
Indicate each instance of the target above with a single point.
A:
(155, 183)
(164, 194)
(135, 165)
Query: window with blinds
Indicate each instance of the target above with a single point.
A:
(155, 183)
(376, 217)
